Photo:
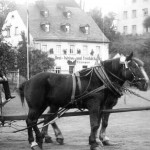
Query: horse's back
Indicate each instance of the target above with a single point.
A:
(49, 87)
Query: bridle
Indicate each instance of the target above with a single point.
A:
(135, 79)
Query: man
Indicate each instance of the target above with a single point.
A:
(4, 81)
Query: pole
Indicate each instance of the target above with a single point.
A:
(27, 41)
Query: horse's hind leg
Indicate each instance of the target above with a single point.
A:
(32, 121)
(58, 134)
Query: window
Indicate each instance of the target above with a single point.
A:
(98, 50)
(145, 12)
(45, 26)
(44, 13)
(85, 50)
(133, 29)
(58, 49)
(67, 14)
(72, 49)
(84, 67)
(16, 31)
(125, 28)
(125, 15)
(85, 29)
(58, 69)
(37, 46)
(8, 32)
(134, 14)
(44, 48)
(66, 27)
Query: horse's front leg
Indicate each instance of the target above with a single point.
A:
(95, 118)
(111, 101)
(102, 135)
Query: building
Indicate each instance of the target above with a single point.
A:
(132, 15)
(62, 29)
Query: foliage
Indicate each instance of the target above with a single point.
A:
(146, 22)
(106, 23)
(38, 60)
(22, 56)
(7, 57)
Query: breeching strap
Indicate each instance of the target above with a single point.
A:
(73, 87)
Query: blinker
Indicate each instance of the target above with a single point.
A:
(123, 61)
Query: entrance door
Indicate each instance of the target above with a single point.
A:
(71, 69)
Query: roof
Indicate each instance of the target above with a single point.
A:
(56, 19)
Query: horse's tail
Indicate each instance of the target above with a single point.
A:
(21, 92)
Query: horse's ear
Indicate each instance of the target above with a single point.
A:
(128, 58)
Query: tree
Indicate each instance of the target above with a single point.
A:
(146, 23)
(7, 57)
(38, 60)
(105, 23)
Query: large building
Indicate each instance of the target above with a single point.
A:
(62, 29)
(132, 15)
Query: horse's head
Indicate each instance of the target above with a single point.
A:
(132, 70)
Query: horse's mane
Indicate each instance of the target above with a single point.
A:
(112, 64)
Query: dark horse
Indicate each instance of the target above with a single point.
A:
(97, 88)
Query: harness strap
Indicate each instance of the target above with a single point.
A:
(105, 79)
(78, 81)
(73, 87)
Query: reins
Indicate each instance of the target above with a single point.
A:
(101, 74)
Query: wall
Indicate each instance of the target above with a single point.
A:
(128, 5)
(82, 59)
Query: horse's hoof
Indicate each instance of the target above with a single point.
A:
(96, 147)
(36, 148)
(60, 141)
(108, 143)
(40, 145)
(48, 139)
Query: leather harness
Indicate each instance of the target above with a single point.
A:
(102, 75)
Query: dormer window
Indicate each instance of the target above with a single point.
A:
(67, 14)
(66, 27)
(45, 26)
(45, 13)
(85, 29)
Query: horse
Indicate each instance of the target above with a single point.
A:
(93, 88)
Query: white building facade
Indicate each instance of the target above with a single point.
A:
(63, 30)
(132, 15)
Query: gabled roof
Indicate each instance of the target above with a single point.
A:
(56, 18)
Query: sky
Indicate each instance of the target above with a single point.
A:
(105, 5)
